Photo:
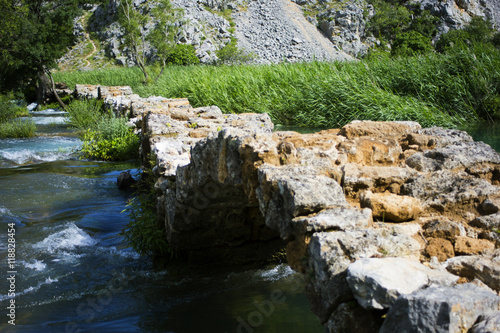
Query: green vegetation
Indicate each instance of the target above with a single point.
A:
(433, 89)
(134, 20)
(183, 54)
(34, 35)
(144, 232)
(10, 127)
(105, 137)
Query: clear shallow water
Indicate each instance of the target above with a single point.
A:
(76, 274)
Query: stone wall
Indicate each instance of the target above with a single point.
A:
(386, 221)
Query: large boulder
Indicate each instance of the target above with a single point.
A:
(440, 309)
(378, 282)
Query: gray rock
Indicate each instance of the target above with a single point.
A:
(440, 309)
(485, 268)
(488, 222)
(444, 189)
(285, 193)
(487, 324)
(378, 282)
(331, 253)
(333, 219)
(460, 155)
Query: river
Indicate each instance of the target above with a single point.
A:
(72, 271)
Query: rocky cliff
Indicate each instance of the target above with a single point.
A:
(272, 30)
(387, 221)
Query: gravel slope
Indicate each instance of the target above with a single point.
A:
(276, 30)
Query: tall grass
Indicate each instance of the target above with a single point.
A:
(105, 137)
(10, 127)
(447, 90)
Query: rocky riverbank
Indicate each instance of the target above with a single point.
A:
(387, 221)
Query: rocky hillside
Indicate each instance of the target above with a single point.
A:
(270, 30)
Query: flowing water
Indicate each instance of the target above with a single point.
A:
(72, 271)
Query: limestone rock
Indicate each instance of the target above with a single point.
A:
(391, 207)
(461, 155)
(374, 178)
(459, 308)
(466, 245)
(333, 219)
(378, 282)
(285, 193)
(486, 268)
(331, 253)
(488, 222)
(440, 248)
(487, 324)
(378, 128)
(448, 190)
(444, 228)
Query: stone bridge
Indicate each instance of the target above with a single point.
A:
(386, 221)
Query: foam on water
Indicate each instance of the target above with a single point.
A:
(5, 211)
(276, 273)
(31, 289)
(48, 112)
(46, 120)
(40, 149)
(67, 239)
(37, 265)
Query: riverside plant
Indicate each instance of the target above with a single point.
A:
(105, 137)
(10, 125)
(434, 89)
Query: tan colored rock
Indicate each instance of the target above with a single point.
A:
(440, 248)
(378, 128)
(466, 245)
(372, 151)
(391, 207)
(374, 178)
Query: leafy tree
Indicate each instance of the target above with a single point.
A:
(135, 20)
(35, 35)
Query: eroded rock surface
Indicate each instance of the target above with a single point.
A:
(231, 190)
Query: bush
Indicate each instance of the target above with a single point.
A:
(410, 43)
(230, 54)
(476, 32)
(183, 54)
(86, 114)
(112, 140)
(105, 137)
(10, 110)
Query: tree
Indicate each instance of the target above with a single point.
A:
(35, 35)
(135, 20)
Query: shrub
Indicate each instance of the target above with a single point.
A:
(112, 140)
(183, 54)
(105, 137)
(9, 109)
(230, 54)
(410, 43)
(477, 31)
